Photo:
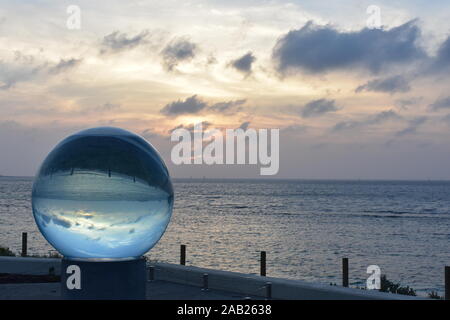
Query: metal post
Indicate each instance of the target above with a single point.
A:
(183, 254)
(447, 283)
(205, 282)
(24, 244)
(345, 272)
(263, 264)
(151, 273)
(268, 290)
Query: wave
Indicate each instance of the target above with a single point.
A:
(432, 211)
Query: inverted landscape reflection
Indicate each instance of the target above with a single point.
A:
(103, 193)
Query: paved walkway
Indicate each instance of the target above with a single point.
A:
(156, 290)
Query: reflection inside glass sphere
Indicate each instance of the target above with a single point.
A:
(103, 193)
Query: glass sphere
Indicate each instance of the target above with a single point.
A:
(103, 193)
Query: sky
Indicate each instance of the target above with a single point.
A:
(351, 102)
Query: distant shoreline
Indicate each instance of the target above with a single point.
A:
(184, 179)
(305, 180)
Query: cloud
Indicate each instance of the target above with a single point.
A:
(189, 105)
(318, 107)
(441, 62)
(9, 125)
(228, 106)
(442, 103)
(194, 105)
(406, 103)
(116, 41)
(190, 127)
(23, 58)
(11, 74)
(295, 128)
(24, 68)
(444, 51)
(88, 108)
(64, 65)
(412, 127)
(244, 63)
(374, 119)
(345, 125)
(392, 85)
(21, 69)
(383, 116)
(149, 134)
(446, 119)
(45, 219)
(211, 59)
(317, 49)
(178, 50)
(244, 125)
(108, 107)
(61, 222)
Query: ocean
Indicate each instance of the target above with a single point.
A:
(306, 228)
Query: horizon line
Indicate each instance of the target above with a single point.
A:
(281, 179)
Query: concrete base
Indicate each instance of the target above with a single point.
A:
(104, 280)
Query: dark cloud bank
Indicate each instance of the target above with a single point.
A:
(117, 41)
(441, 104)
(390, 85)
(189, 105)
(374, 119)
(318, 107)
(316, 49)
(178, 50)
(244, 63)
(413, 126)
(194, 105)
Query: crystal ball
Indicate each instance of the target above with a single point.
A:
(103, 193)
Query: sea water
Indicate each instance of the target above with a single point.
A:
(306, 227)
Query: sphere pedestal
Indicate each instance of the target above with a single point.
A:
(107, 280)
